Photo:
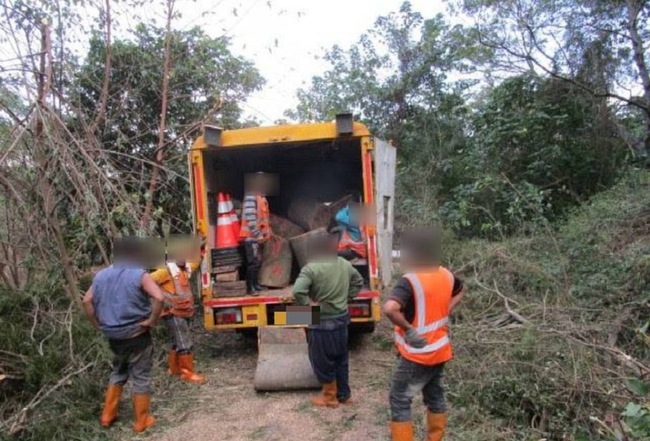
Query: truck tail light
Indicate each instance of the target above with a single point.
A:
(359, 309)
(228, 316)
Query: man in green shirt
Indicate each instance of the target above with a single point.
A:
(330, 282)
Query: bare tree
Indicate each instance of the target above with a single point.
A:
(583, 42)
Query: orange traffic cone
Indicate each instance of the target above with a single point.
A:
(222, 203)
(233, 216)
(225, 235)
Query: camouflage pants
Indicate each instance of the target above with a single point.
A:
(179, 331)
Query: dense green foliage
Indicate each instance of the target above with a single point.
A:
(530, 147)
(207, 82)
(580, 301)
(538, 147)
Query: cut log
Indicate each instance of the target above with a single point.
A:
(276, 263)
(283, 360)
(283, 227)
(300, 245)
(311, 214)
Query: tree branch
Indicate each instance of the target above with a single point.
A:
(103, 98)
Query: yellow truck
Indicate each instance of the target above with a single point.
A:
(321, 161)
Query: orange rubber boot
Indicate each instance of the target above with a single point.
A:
(143, 419)
(111, 405)
(327, 397)
(401, 430)
(436, 423)
(172, 361)
(186, 365)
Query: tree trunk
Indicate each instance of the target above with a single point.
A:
(162, 126)
(45, 187)
(634, 7)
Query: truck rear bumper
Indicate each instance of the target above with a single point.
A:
(250, 312)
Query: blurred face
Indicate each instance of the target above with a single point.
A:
(323, 246)
(421, 248)
(265, 184)
(257, 185)
(183, 250)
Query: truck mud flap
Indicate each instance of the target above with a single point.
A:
(283, 360)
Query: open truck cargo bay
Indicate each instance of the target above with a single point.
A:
(323, 162)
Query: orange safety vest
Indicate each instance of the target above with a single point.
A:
(432, 294)
(179, 303)
(347, 243)
(263, 221)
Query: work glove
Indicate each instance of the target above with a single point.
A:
(414, 340)
(287, 298)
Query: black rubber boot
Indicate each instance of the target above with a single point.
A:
(254, 280)
(251, 280)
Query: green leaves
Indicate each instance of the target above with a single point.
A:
(204, 73)
(633, 410)
(637, 420)
(637, 387)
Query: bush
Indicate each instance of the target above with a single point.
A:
(55, 367)
(556, 322)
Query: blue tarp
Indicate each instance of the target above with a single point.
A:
(345, 218)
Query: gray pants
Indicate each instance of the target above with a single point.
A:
(179, 332)
(132, 359)
(409, 379)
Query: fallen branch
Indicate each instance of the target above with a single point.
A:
(623, 358)
(15, 422)
(506, 300)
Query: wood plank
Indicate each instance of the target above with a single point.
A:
(231, 276)
(229, 289)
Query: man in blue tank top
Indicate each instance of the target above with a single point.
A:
(124, 303)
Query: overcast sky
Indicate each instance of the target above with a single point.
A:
(303, 29)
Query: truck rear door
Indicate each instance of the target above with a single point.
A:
(385, 161)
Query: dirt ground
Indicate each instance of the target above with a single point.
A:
(228, 408)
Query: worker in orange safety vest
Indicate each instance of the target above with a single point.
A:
(419, 306)
(174, 279)
(255, 230)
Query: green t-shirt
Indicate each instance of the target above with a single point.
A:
(331, 283)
